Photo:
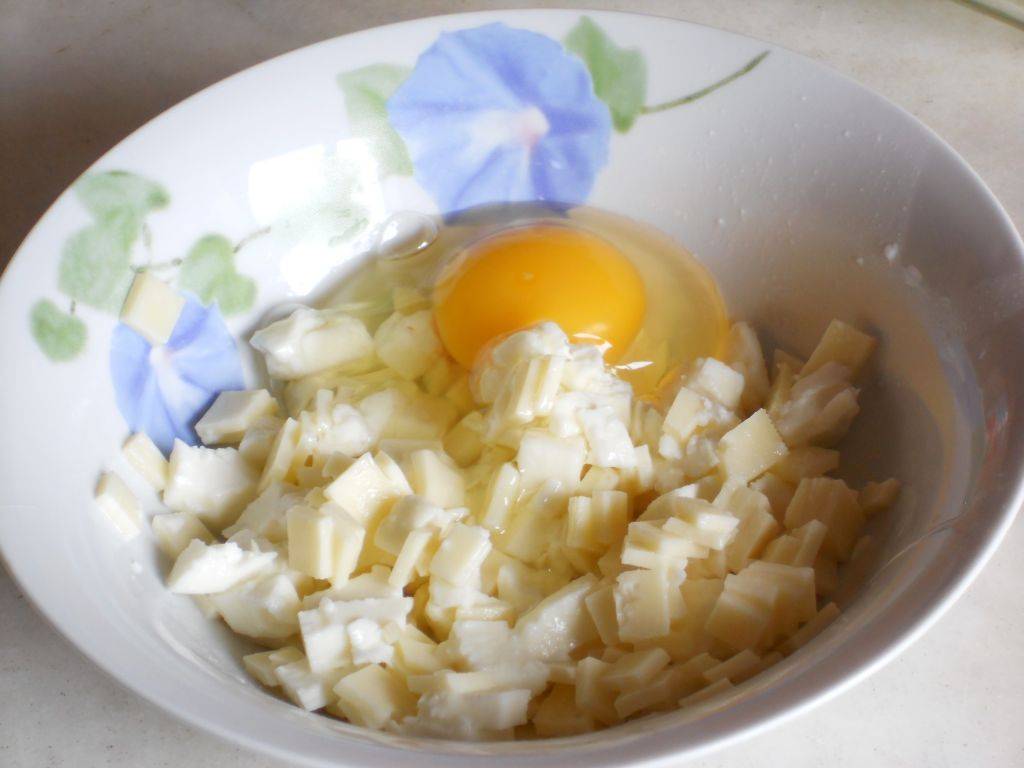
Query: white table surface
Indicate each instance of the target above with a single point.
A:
(76, 77)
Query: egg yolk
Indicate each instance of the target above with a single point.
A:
(531, 274)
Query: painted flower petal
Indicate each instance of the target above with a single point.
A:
(163, 390)
(495, 114)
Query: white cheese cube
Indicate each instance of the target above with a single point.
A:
(265, 515)
(407, 412)
(325, 543)
(713, 378)
(592, 696)
(461, 554)
(636, 669)
(152, 308)
(599, 479)
(778, 491)
(832, 503)
(843, 344)
(685, 415)
(642, 605)
(811, 629)
(264, 608)
(819, 407)
(146, 459)
(258, 440)
(174, 531)
(432, 477)
(757, 525)
(263, 665)
(502, 493)
(393, 472)
(743, 353)
(739, 620)
(203, 569)
(232, 414)
(415, 549)
(375, 583)
(608, 440)
(367, 643)
(559, 623)
(463, 443)
(118, 503)
(325, 629)
(751, 448)
(704, 694)
(543, 457)
(408, 514)
(306, 688)
(476, 712)
(408, 344)
(309, 341)
(601, 606)
(362, 490)
(705, 524)
(214, 484)
(372, 696)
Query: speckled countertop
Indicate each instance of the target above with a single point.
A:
(79, 76)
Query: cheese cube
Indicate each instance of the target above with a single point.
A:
(309, 341)
(432, 477)
(306, 688)
(607, 438)
(704, 694)
(558, 715)
(501, 494)
(214, 484)
(408, 344)
(841, 344)
(325, 629)
(461, 554)
(463, 443)
(393, 472)
(599, 479)
(826, 575)
(259, 439)
(408, 514)
(174, 532)
(834, 504)
(479, 712)
(543, 457)
(152, 308)
(368, 643)
(264, 608)
(642, 605)
(685, 415)
(232, 413)
(406, 412)
(203, 569)
(372, 696)
(559, 623)
(739, 620)
(716, 380)
(811, 629)
(819, 408)
(751, 448)
(756, 528)
(362, 490)
(146, 459)
(808, 461)
(265, 515)
(703, 523)
(601, 607)
(119, 504)
(743, 353)
(778, 492)
(877, 497)
(415, 550)
(592, 696)
(263, 665)
(325, 543)
(415, 657)
(636, 669)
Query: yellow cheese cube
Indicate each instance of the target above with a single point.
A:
(743, 353)
(642, 605)
(751, 448)
(558, 715)
(739, 620)
(362, 490)
(414, 551)
(808, 461)
(263, 665)
(636, 669)
(778, 491)
(435, 479)
(282, 452)
(685, 414)
(232, 414)
(811, 629)
(843, 344)
(592, 696)
(461, 554)
(834, 504)
(152, 308)
(174, 532)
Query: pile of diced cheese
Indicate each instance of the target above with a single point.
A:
(522, 550)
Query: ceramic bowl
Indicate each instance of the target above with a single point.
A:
(807, 196)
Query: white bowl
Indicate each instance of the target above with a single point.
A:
(806, 195)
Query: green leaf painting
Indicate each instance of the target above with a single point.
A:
(209, 272)
(366, 92)
(59, 335)
(95, 266)
(619, 74)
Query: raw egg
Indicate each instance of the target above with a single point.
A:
(525, 275)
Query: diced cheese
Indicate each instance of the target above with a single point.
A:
(263, 665)
(811, 629)
(174, 531)
(461, 554)
(372, 696)
(232, 414)
(306, 688)
(559, 623)
(118, 503)
(739, 620)
(607, 438)
(415, 550)
(642, 605)
(834, 504)
(146, 459)
(819, 408)
(636, 669)
(558, 715)
(264, 608)
(713, 378)
(751, 448)
(502, 493)
(309, 341)
(265, 515)
(808, 461)
(743, 353)
(778, 491)
(324, 543)
(408, 344)
(592, 696)
(203, 569)
(152, 308)
(433, 477)
(214, 484)
(841, 344)
(877, 497)
(543, 457)
(362, 490)
(601, 606)
(464, 441)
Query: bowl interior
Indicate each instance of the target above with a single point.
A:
(807, 197)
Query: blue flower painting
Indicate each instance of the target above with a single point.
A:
(495, 114)
(162, 390)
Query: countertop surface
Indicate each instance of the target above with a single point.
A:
(79, 76)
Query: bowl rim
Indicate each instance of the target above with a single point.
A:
(909, 628)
